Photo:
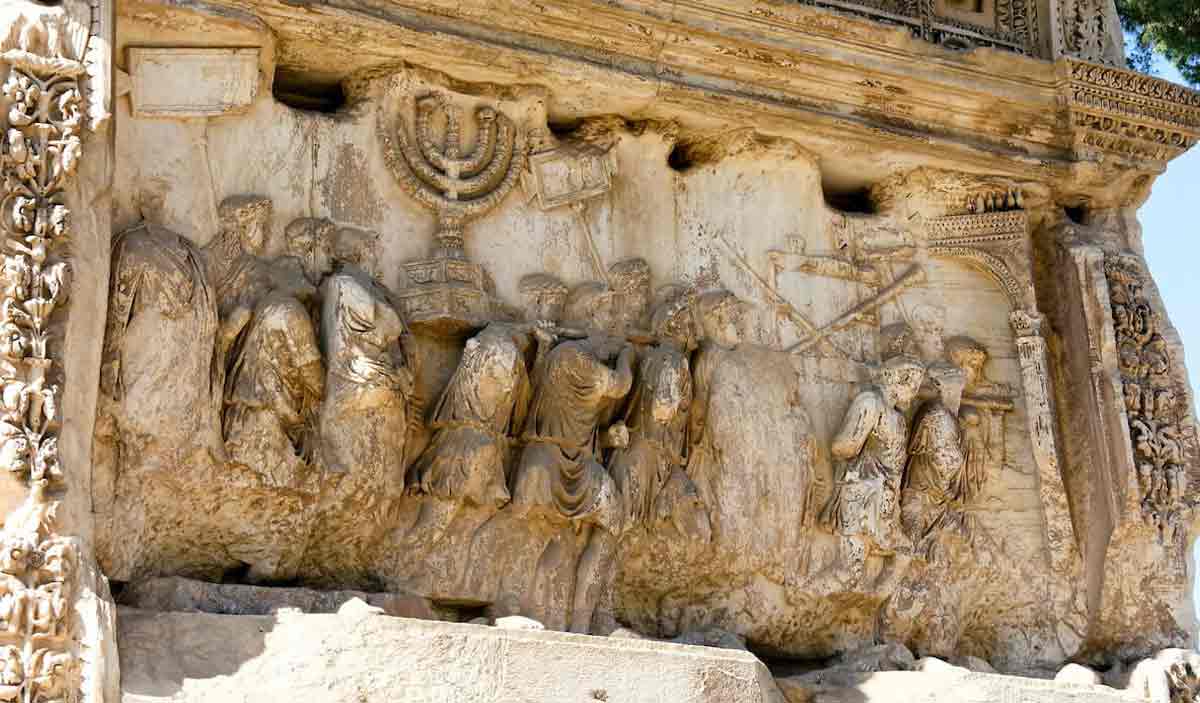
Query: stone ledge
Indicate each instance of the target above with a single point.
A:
(947, 686)
(370, 658)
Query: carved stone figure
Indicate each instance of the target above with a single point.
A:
(363, 419)
(873, 442)
(630, 281)
(981, 417)
(657, 420)
(484, 404)
(162, 333)
(275, 374)
(720, 316)
(274, 388)
(934, 477)
(560, 477)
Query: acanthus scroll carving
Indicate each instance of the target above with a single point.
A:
(44, 113)
(1158, 426)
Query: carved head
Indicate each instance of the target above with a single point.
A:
(58, 560)
(309, 239)
(490, 362)
(359, 248)
(896, 339)
(249, 218)
(929, 322)
(16, 549)
(674, 322)
(592, 305)
(720, 314)
(900, 378)
(544, 296)
(968, 355)
(947, 381)
(631, 282)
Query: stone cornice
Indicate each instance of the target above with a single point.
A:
(809, 74)
(1128, 114)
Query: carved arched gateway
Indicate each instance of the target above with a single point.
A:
(997, 243)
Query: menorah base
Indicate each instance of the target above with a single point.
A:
(445, 297)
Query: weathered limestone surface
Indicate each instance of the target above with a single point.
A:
(367, 658)
(935, 687)
(816, 329)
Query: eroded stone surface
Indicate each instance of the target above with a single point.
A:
(202, 657)
(750, 324)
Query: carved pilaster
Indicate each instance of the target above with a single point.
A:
(51, 62)
(1039, 412)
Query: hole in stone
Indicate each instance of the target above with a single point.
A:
(679, 159)
(312, 93)
(857, 200)
(1077, 214)
(563, 129)
(237, 574)
(462, 610)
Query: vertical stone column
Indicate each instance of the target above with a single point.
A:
(1031, 351)
(56, 619)
(1064, 558)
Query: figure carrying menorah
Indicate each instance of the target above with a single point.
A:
(447, 293)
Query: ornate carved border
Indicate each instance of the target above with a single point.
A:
(1126, 113)
(994, 242)
(50, 57)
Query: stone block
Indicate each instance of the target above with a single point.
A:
(958, 686)
(192, 82)
(193, 657)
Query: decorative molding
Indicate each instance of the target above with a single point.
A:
(1014, 27)
(1162, 438)
(1119, 111)
(45, 51)
(994, 242)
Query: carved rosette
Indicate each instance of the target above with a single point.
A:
(1160, 431)
(1128, 114)
(44, 115)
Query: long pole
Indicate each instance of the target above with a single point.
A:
(912, 276)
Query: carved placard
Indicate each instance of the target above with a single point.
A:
(562, 177)
(192, 82)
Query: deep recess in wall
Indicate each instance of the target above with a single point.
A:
(1078, 214)
(308, 93)
(856, 200)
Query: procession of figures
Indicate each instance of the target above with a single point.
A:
(586, 409)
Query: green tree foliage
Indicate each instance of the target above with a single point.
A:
(1169, 28)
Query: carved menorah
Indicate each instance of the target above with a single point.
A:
(457, 186)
